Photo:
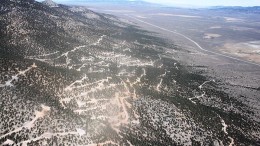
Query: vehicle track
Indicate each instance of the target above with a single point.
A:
(194, 42)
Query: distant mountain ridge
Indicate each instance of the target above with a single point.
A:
(255, 9)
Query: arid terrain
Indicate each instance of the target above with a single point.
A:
(104, 75)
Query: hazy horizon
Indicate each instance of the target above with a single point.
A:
(197, 3)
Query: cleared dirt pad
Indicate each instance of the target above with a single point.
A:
(247, 50)
(211, 36)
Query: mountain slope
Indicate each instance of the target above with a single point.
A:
(36, 27)
(50, 3)
(70, 76)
